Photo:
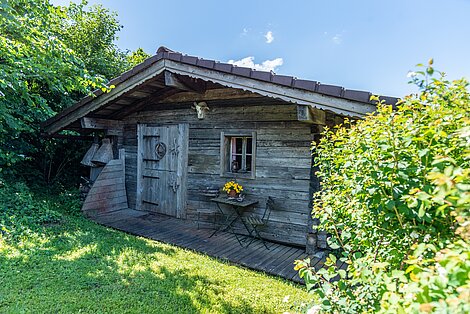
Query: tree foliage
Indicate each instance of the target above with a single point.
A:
(91, 33)
(49, 58)
(137, 56)
(36, 68)
(395, 198)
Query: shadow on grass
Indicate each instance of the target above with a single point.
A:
(83, 267)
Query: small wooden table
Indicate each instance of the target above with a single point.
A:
(236, 214)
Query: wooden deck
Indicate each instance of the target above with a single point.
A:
(278, 260)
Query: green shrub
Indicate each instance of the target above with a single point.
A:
(68, 202)
(22, 212)
(395, 199)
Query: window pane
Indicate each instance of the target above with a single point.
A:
(249, 145)
(248, 162)
(233, 143)
(238, 145)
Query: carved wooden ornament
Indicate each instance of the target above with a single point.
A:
(160, 150)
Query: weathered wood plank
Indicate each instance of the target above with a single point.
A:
(108, 192)
(140, 156)
(100, 124)
(104, 203)
(210, 94)
(251, 113)
(302, 97)
(94, 195)
(107, 182)
(182, 169)
(223, 245)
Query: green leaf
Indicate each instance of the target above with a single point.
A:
(390, 204)
(421, 211)
(332, 258)
(342, 273)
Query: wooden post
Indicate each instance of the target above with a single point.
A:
(140, 156)
(182, 170)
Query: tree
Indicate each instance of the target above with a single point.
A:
(36, 69)
(91, 33)
(50, 57)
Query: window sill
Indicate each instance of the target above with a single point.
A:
(238, 175)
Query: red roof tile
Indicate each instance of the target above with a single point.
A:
(325, 89)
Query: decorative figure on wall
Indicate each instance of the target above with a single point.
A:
(173, 182)
(201, 109)
(175, 148)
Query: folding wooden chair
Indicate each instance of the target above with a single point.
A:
(257, 223)
(209, 193)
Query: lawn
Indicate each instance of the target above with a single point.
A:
(79, 266)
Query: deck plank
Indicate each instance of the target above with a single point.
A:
(277, 260)
(287, 261)
(270, 266)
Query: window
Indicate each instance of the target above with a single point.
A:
(238, 154)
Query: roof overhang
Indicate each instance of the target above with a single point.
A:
(302, 97)
(301, 92)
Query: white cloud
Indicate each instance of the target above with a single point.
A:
(269, 37)
(337, 39)
(249, 62)
(244, 32)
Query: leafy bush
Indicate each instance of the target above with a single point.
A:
(23, 213)
(395, 199)
(69, 202)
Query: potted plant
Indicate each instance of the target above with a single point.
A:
(233, 189)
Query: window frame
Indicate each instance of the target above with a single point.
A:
(226, 154)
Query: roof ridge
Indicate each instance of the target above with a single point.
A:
(164, 49)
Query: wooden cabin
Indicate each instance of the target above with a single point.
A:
(180, 126)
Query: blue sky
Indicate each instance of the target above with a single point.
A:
(366, 45)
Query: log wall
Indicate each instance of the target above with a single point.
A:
(283, 160)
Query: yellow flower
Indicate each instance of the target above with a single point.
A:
(232, 186)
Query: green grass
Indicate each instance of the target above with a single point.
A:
(79, 266)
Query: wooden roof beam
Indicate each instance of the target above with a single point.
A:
(140, 104)
(68, 137)
(112, 127)
(211, 94)
(299, 96)
(185, 84)
(85, 106)
(100, 124)
(309, 114)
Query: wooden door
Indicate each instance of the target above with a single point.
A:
(162, 160)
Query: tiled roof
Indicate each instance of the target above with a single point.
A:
(290, 81)
(164, 53)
